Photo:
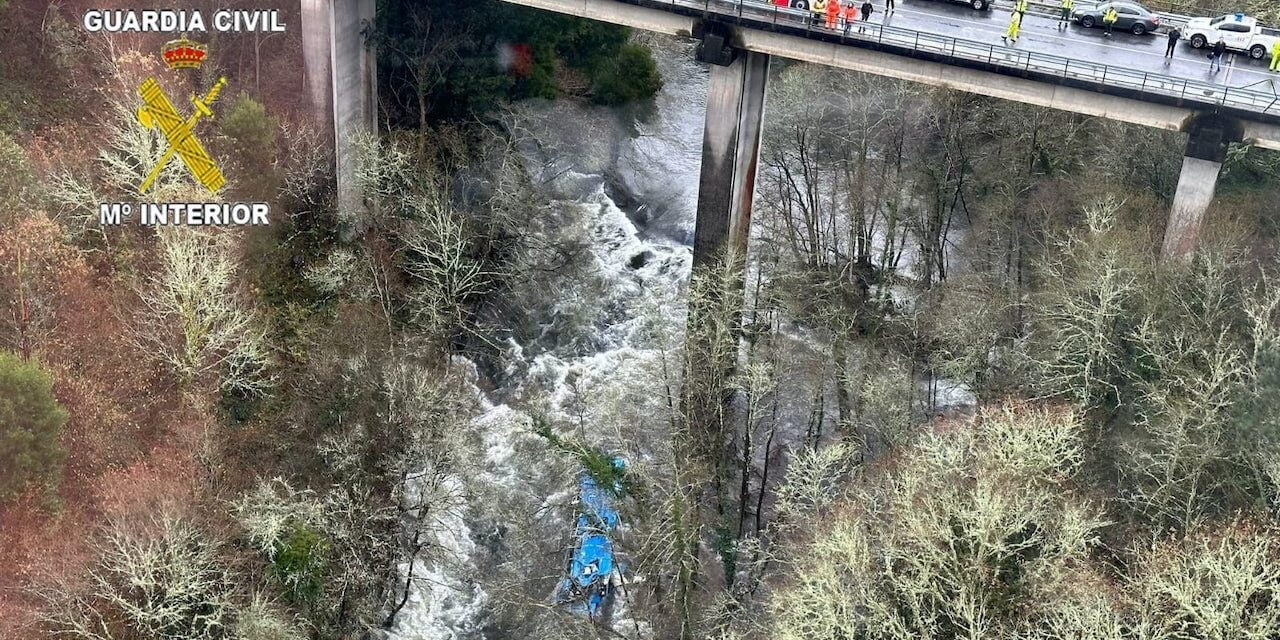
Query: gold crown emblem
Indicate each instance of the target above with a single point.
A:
(183, 53)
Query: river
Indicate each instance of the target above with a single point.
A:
(629, 196)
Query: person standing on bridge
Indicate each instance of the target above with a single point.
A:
(1175, 34)
(1109, 19)
(850, 15)
(833, 13)
(1064, 13)
(817, 8)
(1275, 56)
(867, 10)
(888, 6)
(1015, 25)
(1215, 56)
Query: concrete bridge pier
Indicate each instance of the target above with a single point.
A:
(730, 154)
(1207, 143)
(726, 187)
(342, 79)
(730, 144)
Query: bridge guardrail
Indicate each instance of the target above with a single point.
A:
(866, 34)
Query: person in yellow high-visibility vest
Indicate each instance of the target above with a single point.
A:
(1275, 56)
(1015, 25)
(819, 9)
(1109, 20)
(1064, 19)
(1020, 6)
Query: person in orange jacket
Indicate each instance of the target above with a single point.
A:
(850, 15)
(833, 11)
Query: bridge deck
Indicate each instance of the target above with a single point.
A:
(1125, 77)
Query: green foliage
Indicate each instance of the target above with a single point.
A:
(16, 177)
(598, 465)
(1174, 360)
(249, 126)
(278, 260)
(293, 305)
(1258, 409)
(31, 421)
(1249, 168)
(236, 406)
(252, 132)
(299, 564)
(8, 118)
(66, 48)
(629, 75)
(1088, 309)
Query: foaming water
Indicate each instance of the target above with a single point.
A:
(640, 260)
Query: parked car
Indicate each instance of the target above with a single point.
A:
(1133, 17)
(977, 5)
(1239, 31)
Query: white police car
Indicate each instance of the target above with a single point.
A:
(1240, 32)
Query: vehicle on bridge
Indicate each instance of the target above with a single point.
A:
(1133, 17)
(977, 5)
(1242, 33)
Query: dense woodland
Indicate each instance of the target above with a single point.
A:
(268, 433)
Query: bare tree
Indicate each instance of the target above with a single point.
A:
(1091, 285)
(193, 318)
(941, 541)
(162, 579)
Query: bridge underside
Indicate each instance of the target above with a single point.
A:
(1170, 117)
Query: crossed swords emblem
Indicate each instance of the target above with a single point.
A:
(158, 113)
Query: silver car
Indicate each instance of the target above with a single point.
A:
(1132, 17)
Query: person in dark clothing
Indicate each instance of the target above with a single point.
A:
(1175, 34)
(1215, 58)
(888, 5)
(866, 14)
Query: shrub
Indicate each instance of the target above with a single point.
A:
(15, 178)
(248, 125)
(30, 423)
(630, 75)
(299, 563)
(253, 138)
(1217, 583)
(261, 620)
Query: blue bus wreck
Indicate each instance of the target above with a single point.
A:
(594, 573)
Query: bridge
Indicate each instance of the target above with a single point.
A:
(1125, 78)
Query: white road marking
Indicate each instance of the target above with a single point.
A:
(1000, 32)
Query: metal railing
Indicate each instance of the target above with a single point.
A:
(1262, 98)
